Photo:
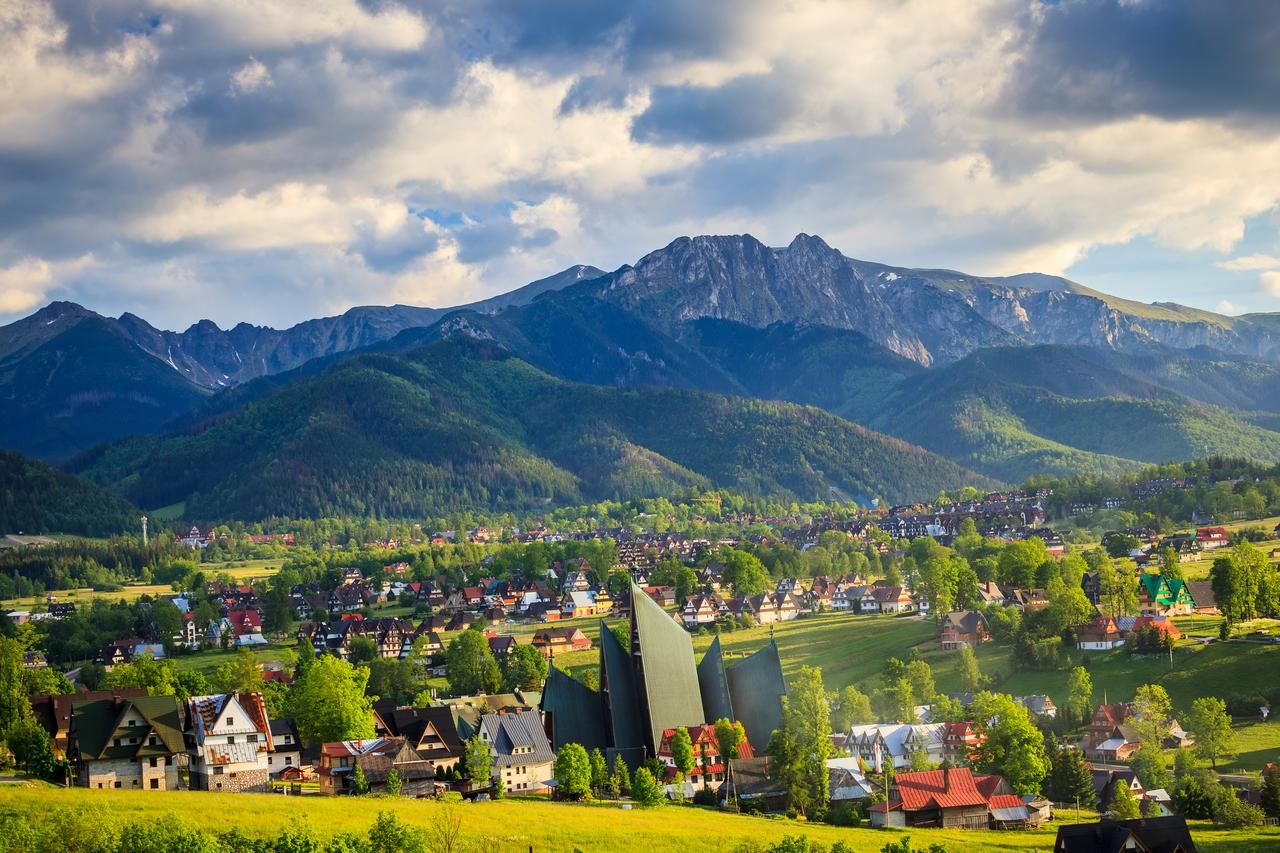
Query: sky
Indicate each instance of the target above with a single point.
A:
(270, 161)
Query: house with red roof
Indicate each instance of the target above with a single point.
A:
(1102, 634)
(951, 798)
(709, 766)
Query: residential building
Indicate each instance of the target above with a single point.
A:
(54, 712)
(375, 757)
(126, 742)
(847, 781)
(553, 641)
(948, 798)
(1101, 634)
(1146, 835)
(709, 768)
(1109, 737)
(963, 628)
(285, 751)
(522, 754)
(1162, 596)
(229, 739)
(881, 744)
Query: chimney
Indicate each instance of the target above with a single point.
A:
(946, 778)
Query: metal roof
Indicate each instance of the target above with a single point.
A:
(669, 678)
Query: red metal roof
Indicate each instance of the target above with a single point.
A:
(1005, 801)
(947, 789)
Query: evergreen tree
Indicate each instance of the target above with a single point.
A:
(970, 674)
(393, 782)
(1123, 805)
(359, 784)
(645, 789)
(619, 779)
(1069, 779)
(599, 772)
(1271, 791)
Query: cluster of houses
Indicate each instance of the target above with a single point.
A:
(791, 599)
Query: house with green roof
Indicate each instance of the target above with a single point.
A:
(127, 742)
(1164, 596)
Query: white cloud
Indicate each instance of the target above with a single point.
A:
(1269, 283)
(281, 24)
(25, 284)
(1247, 263)
(250, 76)
(288, 215)
(1226, 306)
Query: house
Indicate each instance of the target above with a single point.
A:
(1109, 737)
(376, 758)
(700, 610)
(53, 713)
(501, 646)
(126, 742)
(62, 610)
(963, 628)
(1162, 596)
(431, 732)
(578, 603)
(893, 599)
(577, 582)
(1101, 634)
(947, 798)
(847, 781)
(229, 737)
(992, 593)
(709, 770)
(1091, 583)
(1204, 602)
(1145, 835)
(1039, 705)
(522, 755)
(1213, 537)
(552, 641)
(752, 783)
(1028, 599)
(878, 744)
(960, 741)
(285, 751)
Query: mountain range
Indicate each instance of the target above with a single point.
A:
(1002, 377)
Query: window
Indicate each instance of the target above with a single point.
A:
(230, 721)
(117, 783)
(217, 771)
(115, 741)
(153, 761)
(231, 738)
(251, 739)
(155, 784)
(288, 760)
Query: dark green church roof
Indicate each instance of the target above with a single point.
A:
(756, 688)
(669, 678)
(573, 711)
(623, 714)
(714, 685)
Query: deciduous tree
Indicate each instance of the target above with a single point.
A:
(573, 772)
(1210, 725)
(1011, 745)
(329, 702)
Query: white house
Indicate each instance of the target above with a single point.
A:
(229, 741)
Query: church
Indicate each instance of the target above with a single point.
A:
(656, 685)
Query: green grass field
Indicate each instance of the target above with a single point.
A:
(240, 570)
(514, 825)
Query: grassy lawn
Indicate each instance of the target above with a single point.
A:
(209, 660)
(515, 825)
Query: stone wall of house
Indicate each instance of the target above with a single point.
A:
(132, 775)
(255, 779)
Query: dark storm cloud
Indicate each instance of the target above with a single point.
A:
(746, 107)
(1170, 58)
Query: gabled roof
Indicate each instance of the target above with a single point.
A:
(413, 723)
(946, 789)
(669, 678)
(573, 711)
(617, 681)
(97, 722)
(505, 732)
(756, 688)
(1147, 835)
(714, 685)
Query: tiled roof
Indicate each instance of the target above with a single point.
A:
(945, 789)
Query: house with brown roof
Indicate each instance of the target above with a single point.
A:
(553, 641)
(1109, 736)
(376, 757)
(1102, 634)
(963, 628)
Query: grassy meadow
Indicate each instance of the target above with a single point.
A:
(515, 825)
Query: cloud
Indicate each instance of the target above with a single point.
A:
(1177, 59)
(272, 160)
(1225, 306)
(1250, 262)
(1269, 283)
(26, 284)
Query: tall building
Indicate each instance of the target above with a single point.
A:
(656, 684)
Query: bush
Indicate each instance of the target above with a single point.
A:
(704, 797)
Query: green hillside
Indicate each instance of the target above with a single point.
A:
(1015, 413)
(35, 498)
(465, 425)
